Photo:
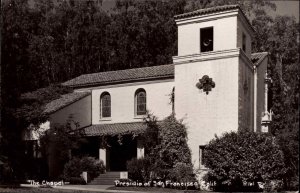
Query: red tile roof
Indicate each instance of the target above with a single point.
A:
(207, 11)
(135, 74)
(211, 10)
(257, 58)
(115, 129)
(111, 77)
(64, 100)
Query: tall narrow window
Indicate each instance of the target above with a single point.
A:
(140, 102)
(244, 43)
(207, 39)
(201, 155)
(105, 105)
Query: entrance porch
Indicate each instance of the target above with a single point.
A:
(118, 150)
(117, 143)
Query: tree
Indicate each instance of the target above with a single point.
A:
(19, 22)
(57, 144)
(284, 70)
(250, 8)
(243, 157)
(143, 33)
(29, 110)
(70, 33)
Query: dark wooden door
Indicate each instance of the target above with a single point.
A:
(121, 153)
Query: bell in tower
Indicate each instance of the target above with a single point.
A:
(207, 39)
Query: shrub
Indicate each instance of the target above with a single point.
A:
(182, 172)
(167, 149)
(76, 180)
(173, 146)
(75, 167)
(238, 158)
(139, 169)
(273, 186)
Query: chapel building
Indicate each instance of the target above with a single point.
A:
(218, 86)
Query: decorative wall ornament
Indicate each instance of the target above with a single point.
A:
(206, 84)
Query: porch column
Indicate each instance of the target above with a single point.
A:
(102, 155)
(140, 148)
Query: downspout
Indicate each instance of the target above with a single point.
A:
(255, 99)
(91, 91)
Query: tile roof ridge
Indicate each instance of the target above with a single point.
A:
(127, 69)
(134, 74)
(208, 9)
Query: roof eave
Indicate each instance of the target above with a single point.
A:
(118, 82)
(206, 11)
(196, 14)
(68, 104)
(266, 55)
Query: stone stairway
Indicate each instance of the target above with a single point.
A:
(107, 178)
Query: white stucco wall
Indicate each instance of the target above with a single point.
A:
(225, 30)
(227, 107)
(79, 110)
(207, 115)
(241, 28)
(122, 101)
(246, 95)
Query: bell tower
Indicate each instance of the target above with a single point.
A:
(213, 74)
(213, 29)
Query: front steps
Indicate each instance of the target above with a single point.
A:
(107, 178)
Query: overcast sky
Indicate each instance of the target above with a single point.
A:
(287, 8)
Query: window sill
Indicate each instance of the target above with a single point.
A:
(139, 116)
(105, 119)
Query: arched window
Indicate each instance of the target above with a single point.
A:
(140, 102)
(105, 105)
